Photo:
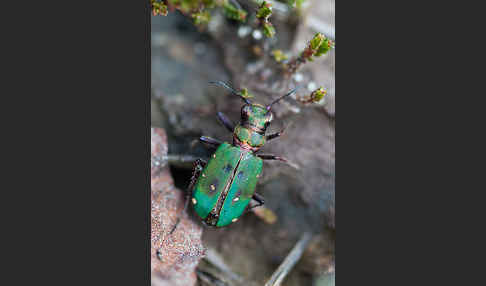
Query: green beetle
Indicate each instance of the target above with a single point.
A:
(222, 188)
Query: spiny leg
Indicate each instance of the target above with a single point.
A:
(199, 165)
(273, 157)
(198, 168)
(226, 122)
(210, 141)
(259, 199)
(275, 135)
(181, 161)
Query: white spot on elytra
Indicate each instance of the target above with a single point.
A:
(234, 220)
(236, 199)
(194, 201)
(212, 187)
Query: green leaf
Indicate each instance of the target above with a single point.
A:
(234, 13)
(318, 94)
(317, 41)
(264, 11)
(201, 18)
(279, 56)
(158, 8)
(244, 92)
(323, 49)
(268, 30)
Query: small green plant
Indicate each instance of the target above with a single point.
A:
(198, 10)
(319, 45)
(279, 56)
(245, 93)
(158, 8)
(234, 11)
(263, 14)
(315, 97)
(201, 18)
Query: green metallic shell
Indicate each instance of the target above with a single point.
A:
(249, 137)
(214, 178)
(231, 171)
(258, 115)
(241, 190)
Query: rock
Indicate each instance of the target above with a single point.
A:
(174, 257)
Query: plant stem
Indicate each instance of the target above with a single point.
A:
(289, 262)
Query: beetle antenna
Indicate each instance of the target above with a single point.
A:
(282, 97)
(233, 91)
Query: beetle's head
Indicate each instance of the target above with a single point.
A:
(250, 133)
(256, 116)
(255, 119)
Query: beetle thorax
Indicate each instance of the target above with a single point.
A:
(250, 133)
(248, 139)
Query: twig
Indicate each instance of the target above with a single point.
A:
(289, 262)
(181, 161)
(217, 261)
(209, 278)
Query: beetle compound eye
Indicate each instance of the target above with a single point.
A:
(245, 112)
(246, 109)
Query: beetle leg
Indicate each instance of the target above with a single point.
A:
(273, 157)
(260, 200)
(274, 135)
(226, 122)
(198, 167)
(277, 134)
(210, 141)
(181, 161)
(196, 171)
